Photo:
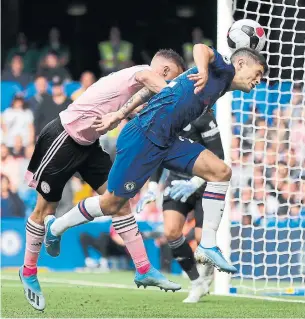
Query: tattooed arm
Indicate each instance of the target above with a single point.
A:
(112, 120)
(153, 83)
(135, 101)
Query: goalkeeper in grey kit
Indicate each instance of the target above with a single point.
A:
(183, 193)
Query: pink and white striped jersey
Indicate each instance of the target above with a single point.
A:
(106, 95)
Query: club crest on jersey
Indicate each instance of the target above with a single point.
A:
(45, 187)
(226, 59)
(130, 186)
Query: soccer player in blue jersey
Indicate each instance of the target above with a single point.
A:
(151, 139)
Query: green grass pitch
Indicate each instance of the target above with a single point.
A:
(113, 295)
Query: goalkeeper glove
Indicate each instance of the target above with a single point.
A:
(149, 196)
(182, 190)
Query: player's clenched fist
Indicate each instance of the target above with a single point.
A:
(200, 79)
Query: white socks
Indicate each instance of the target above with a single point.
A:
(213, 203)
(83, 212)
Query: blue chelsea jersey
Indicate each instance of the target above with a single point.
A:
(174, 107)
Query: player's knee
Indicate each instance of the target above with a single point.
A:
(125, 210)
(40, 212)
(42, 209)
(224, 173)
(219, 172)
(111, 204)
(172, 233)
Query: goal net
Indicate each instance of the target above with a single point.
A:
(268, 158)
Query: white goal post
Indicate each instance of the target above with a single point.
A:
(223, 117)
(263, 227)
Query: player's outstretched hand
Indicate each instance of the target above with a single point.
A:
(200, 79)
(107, 123)
(182, 190)
(148, 197)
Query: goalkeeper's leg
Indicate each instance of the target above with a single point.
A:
(174, 220)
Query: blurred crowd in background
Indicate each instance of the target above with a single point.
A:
(268, 144)
(268, 156)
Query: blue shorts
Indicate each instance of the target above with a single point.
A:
(137, 158)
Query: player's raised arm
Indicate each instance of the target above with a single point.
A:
(151, 80)
(153, 83)
(203, 56)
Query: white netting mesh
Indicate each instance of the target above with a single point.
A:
(268, 152)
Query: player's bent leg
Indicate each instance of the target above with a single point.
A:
(146, 275)
(182, 252)
(218, 175)
(211, 168)
(194, 159)
(86, 210)
(173, 224)
(44, 211)
(109, 204)
(127, 228)
(35, 232)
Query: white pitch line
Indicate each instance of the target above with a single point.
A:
(15, 285)
(121, 286)
(83, 283)
(265, 298)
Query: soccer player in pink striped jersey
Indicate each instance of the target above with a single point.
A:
(69, 144)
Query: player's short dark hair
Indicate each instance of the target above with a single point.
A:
(170, 54)
(252, 54)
